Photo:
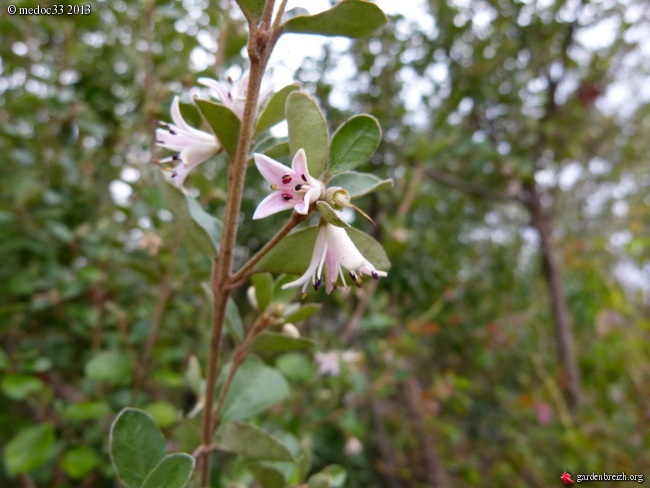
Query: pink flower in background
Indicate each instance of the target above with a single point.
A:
(335, 250)
(292, 187)
(328, 363)
(233, 94)
(192, 146)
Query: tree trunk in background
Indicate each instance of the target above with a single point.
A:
(559, 308)
(431, 469)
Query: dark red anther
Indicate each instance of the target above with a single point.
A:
(304, 178)
(298, 187)
(287, 196)
(286, 179)
(375, 276)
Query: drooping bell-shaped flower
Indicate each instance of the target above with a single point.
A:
(292, 187)
(192, 146)
(233, 94)
(335, 250)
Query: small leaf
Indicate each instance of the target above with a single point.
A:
(303, 313)
(163, 413)
(308, 130)
(203, 228)
(292, 254)
(252, 442)
(19, 386)
(359, 184)
(79, 462)
(296, 367)
(29, 449)
(370, 248)
(278, 151)
(174, 471)
(86, 411)
(252, 9)
(111, 367)
(137, 446)
(337, 474)
(354, 142)
(319, 480)
(267, 476)
(254, 388)
(273, 342)
(349, 18)
(223, 122)
(330, 215)
(274, 112)
(263, 283)
(234, 323)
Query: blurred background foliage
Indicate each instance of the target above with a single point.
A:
(448, 372)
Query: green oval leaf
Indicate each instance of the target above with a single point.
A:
(79, 462)
(308, 130)
(273, 342)
(203, 228)
(29, 449)
(263, 284)
(303, 313)
(252, 9)
(252, 442)
(254, 388)
(174, 471)
(112, 367)
(274, 112)
(19, 386)
(349, 18)
(354, 142)
(292, 254)
(137, 446)
(360, 184)
(330, 215)
(223, 122)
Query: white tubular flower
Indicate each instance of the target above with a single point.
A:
(192, 146)
(335, 250)
(292, 187)
(233, 95)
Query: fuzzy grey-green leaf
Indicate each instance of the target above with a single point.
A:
(273, 342)
(223, 122)
(263, 283)
(274, 111)
(252, 442)
(292, 254)
(137, 446)
(348, 18)
(308, 130)
(174, 471)
(252, 9)
(359, 184)
(354, 142)
(330, 215)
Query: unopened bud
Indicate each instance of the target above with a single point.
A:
(290, 330)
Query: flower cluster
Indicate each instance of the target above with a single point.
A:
(334, 250)
(292, 188)
(193, 146)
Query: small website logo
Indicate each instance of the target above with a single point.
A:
(566, 478)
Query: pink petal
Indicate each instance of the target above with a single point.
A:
(299, 163)
(272, 171)
(273, 203)
(177, 117)
(222, 90)
(198, 153)
(302, 207)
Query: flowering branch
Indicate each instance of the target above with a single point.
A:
(260, 46)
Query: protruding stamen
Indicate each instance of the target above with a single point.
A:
(304, 178)
(174, 174)
(374, 275)
(317, 283)
(286, 179)
(171, 131)
(298, 187)
(274, 187)
(357, 279)
(176, 157)
(287, 196)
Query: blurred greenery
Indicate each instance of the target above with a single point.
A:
(445, 373)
